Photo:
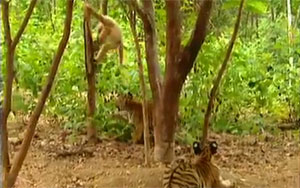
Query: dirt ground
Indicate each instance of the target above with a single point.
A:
(55, 160)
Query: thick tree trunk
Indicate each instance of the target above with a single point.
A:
(178, 68)
(166, 98)
(164, 132)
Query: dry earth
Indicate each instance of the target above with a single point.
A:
(252, 161)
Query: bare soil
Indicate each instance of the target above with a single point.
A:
(57, 159)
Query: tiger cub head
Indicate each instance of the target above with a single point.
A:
(123, 101)
(205, 152)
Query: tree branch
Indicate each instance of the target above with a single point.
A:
(104, 7)
(140, 11)
(5, 20)
(7, 92)
(173, 32)
(20, 156)
(190, 51)
(220, 74)
(24, 24)
(147, 16)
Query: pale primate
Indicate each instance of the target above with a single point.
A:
(109, 34)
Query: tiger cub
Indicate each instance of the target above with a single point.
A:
(200, 173)
(133, 110)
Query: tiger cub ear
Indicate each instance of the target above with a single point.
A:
(213, 147)
(196, 147)
(129, 95)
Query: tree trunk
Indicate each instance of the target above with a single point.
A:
(165, 131)
(151, 50)
(20, 156)
(11, 46)
(90, 69)
(166, 97)
(178, 68)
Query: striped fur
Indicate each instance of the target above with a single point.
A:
(134, 110)
(200, 173)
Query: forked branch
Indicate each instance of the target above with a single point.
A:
(20, 156)
(11, 46)
(24, 24)
(217, 81)
(196, 40)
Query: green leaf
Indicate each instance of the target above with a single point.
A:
(229, 4)
(257, 6)
(18, 103)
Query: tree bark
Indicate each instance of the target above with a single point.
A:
(104, 7)
(90, 68)
(217, 81)
(7, 92)
(165, 129)
(166, 97)
(176, 74)
(11, 46)
(20, 156)
(147, 15)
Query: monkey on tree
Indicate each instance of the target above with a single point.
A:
(109, 34)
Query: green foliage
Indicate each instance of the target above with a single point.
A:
(260, 88)
(259, 84)
(255, 6)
